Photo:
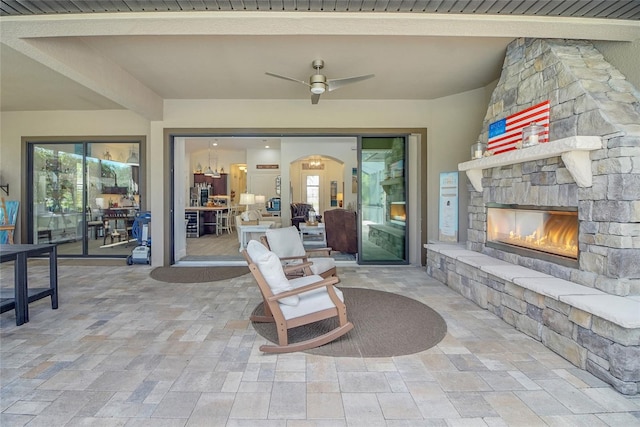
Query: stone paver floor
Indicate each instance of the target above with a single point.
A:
(126, 350)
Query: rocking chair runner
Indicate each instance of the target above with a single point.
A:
(294, 302)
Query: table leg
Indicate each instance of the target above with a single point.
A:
(53, 276)
(243, 240)
(22, 299)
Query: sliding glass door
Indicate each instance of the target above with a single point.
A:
(84, 196)
(382, 199)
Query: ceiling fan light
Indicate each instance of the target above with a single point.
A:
(317, 88)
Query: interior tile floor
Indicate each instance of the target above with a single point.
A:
(126, 350)
(208, 249)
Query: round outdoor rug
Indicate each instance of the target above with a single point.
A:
(385, 325)
(197, 274)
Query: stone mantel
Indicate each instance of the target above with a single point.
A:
(574, 151)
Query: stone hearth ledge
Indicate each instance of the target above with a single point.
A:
(594, 330)
(623, 311)
(574, 151)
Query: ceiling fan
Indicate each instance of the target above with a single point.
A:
(318, 83)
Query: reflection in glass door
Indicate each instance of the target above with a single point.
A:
(57, 198)
(81, 202)
(382, 200)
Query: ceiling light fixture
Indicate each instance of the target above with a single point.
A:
(317, 88)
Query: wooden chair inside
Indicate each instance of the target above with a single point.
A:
(285, 242)
(308, 307)
(223, 221)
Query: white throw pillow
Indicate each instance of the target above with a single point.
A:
(271, 269)
(256, 250)
(285, 242)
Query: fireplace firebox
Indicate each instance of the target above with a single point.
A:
(398, 214)
(549, 233)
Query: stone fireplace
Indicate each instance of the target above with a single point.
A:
(585, 303)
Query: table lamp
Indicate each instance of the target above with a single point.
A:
(340, 198)
(247, 199)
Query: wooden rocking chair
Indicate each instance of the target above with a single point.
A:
(294, 302)
(285, 242)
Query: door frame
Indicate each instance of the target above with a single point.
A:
(26, 192)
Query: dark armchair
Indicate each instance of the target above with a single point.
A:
(342, 230)
(300, 213)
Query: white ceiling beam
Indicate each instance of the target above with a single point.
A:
(311, 23)
(77, 61)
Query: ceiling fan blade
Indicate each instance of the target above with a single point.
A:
(315, 98)
(288, 78)
(334, 84)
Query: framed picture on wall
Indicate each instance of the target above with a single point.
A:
(334, 193)
(448, 209)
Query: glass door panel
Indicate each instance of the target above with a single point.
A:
(382, 201)
(57, 196)
(112, 198)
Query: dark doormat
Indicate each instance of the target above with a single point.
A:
(385, 325)
(197, 274)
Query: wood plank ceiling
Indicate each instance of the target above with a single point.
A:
(610, 9)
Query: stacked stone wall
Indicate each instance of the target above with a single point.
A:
(588, 97)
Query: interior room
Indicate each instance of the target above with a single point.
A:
(320, 173)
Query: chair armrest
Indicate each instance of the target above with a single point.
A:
(296, 267)
(293, 258)
(329, 281)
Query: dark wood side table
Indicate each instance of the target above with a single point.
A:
(22, 294)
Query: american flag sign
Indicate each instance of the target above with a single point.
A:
(506, 133)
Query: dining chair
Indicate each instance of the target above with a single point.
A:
(223, 221)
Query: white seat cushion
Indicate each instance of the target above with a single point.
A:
(285, 242)
(271, 269)
(311, 301)
(322, 264)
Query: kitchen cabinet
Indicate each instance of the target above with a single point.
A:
(218, 185)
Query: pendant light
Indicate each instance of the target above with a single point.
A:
(215, 173)
(133, 158)
(209, 171)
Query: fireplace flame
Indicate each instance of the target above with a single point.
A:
(398, 212)
(556, 234)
